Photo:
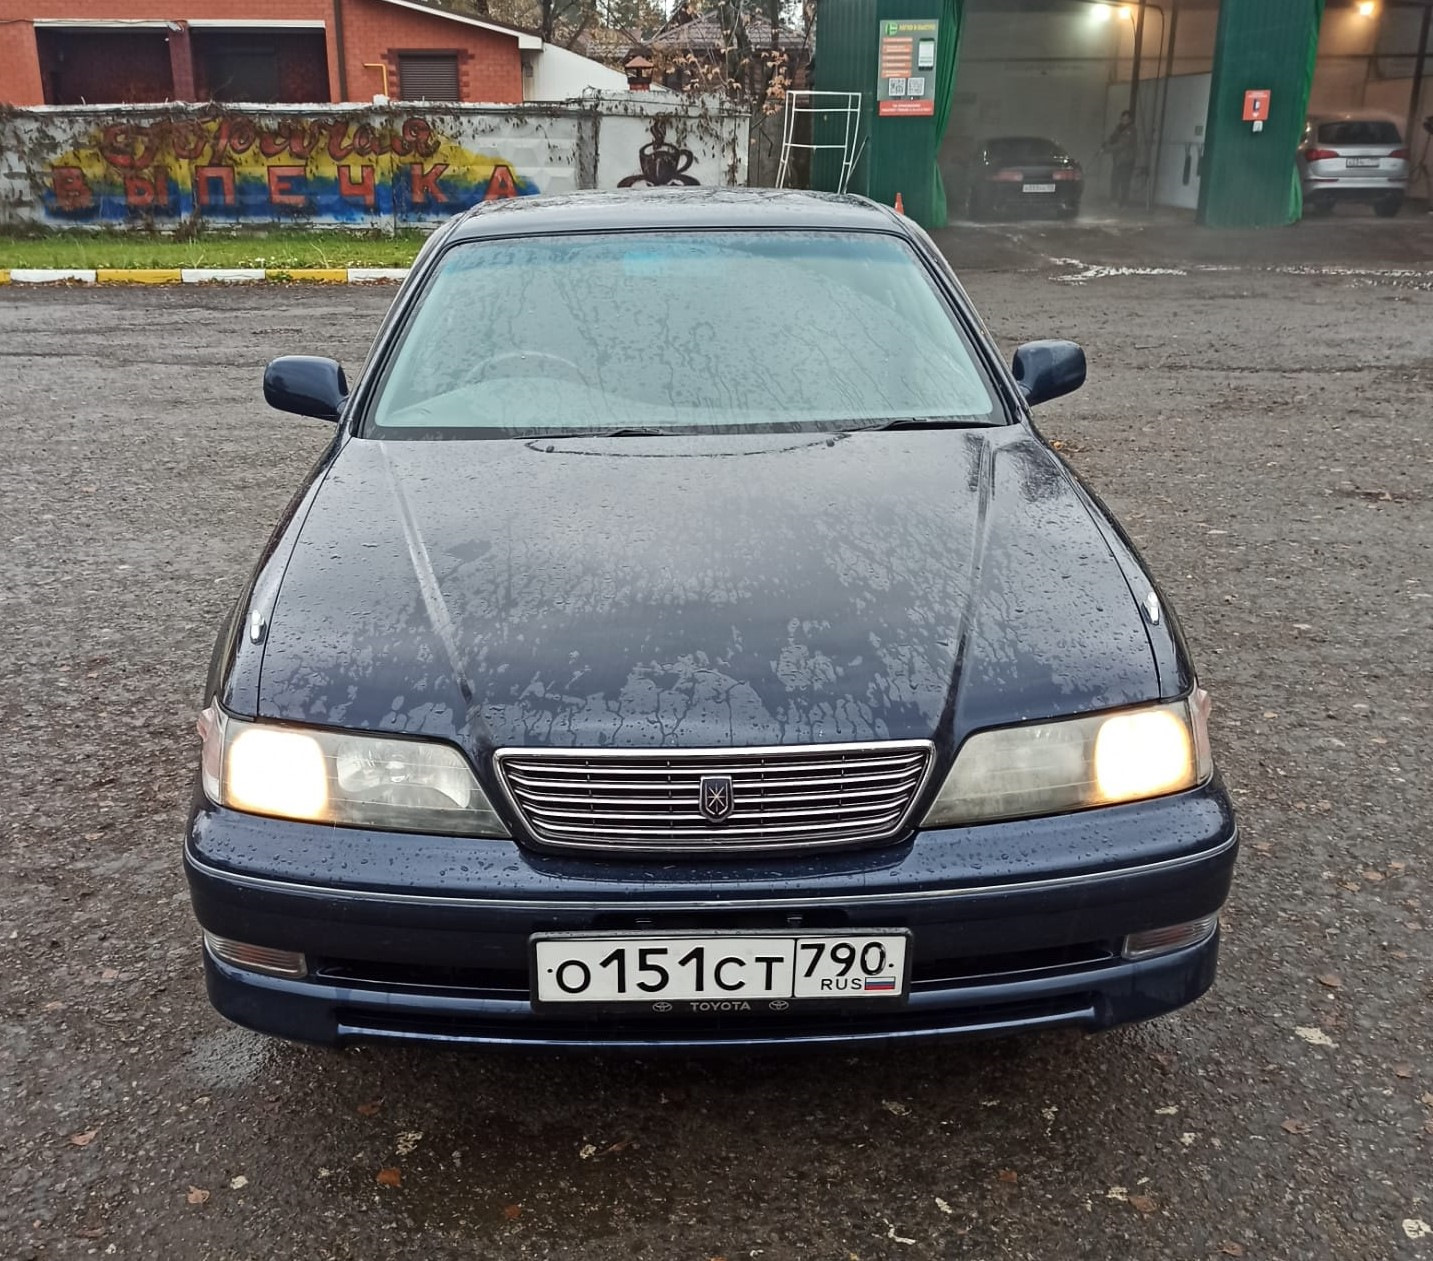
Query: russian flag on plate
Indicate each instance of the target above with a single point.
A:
(880, 983)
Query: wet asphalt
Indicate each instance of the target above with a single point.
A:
(1260, 416)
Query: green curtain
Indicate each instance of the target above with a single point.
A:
(1296, 185)
(1249, 178)
(948, 41)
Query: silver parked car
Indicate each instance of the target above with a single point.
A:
(1358, 156)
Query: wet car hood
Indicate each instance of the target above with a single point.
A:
(698, 591)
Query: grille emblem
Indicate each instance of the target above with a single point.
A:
(716, 799)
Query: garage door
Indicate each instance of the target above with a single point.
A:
(430, 77)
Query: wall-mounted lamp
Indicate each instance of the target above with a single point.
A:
(1100, 13)
(1367, 8)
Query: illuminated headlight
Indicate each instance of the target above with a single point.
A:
(342, 777)
(1096, 760)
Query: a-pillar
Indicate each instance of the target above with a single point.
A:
(1249, 178)
(181, 62)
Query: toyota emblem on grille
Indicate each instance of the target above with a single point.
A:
(716, 800)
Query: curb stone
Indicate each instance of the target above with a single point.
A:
(201, 275)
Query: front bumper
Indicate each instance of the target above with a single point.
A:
(1014, 926)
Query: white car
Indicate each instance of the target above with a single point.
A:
(1358, 156)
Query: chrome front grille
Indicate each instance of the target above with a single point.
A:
(782, 797)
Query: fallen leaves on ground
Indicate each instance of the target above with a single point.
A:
(944, 1206)
(1142, 1203)
(1403, 1070)
(1416, 1228)
(1231, 1249)
(390, 1178)
(587, 1151)
(1292, 1126)
(1331, 980)
(85, 1138)
(895, 1107)
(197, 1195)
(511, 1212)
(370, 1109)
(1314, 1036)
(238, 1182)
(1008, 1175)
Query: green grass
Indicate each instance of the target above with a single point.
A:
(284, 249)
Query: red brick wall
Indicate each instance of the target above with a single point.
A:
(489, 66)
(373, 32)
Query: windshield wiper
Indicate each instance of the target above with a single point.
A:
(915, 422)
(627, 431)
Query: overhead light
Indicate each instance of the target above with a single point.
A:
(1127, 13)
(1367, 8)
(1100, 12)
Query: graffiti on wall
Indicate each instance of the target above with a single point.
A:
(234, 166)
(354, 166)
(662, 163)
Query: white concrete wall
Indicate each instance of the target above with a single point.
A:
(347, 166)
(561, 75)
(644, 138)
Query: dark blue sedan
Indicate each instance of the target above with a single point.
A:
(688, 641)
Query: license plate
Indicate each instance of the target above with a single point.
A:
(1361, 161)
(685, 972)
(1037, 188)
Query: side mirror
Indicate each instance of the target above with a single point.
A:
(307, 385)
(1048, 369)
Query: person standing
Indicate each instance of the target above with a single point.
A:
(1121, 146)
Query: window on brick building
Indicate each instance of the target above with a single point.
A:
(244, 72)
(428, 77)
(272, 66)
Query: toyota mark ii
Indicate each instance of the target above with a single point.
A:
(687, 641)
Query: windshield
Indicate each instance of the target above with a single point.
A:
(689, 332)
(1359, 131)
(1024, 149)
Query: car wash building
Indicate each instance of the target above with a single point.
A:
(1220, 91)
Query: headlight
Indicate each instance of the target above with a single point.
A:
(324, 776)
(1097, 760)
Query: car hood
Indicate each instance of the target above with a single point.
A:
(701, 591)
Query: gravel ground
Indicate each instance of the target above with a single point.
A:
(1263, 434)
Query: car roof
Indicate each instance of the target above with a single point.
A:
(658, 208)
(1357, 116)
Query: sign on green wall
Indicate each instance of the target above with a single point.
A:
(905, 83)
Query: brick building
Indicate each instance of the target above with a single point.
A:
(102, 52)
